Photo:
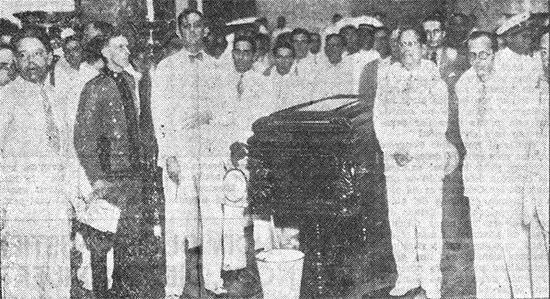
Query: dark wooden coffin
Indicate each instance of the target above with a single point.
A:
(316, 166)
(317, 158)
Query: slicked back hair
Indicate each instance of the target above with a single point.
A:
(491, 36)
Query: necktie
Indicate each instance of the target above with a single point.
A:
(433, 57)
(482, 104)
(131, 117)
(240, 88)
(194, 57)
(52, 131)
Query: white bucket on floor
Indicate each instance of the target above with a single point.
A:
(280, 273)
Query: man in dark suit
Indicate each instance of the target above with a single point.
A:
(110, 149)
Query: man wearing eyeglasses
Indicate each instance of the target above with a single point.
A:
(410, 119)
(497, 113)
(35, 212)
(7, 65)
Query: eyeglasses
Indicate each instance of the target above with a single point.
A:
(481, 55)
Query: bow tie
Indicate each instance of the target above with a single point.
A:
(194, 57)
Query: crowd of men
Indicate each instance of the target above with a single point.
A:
(84, 126)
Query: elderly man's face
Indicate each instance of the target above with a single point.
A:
(243, 56)
(192, 29)
(301, 45)
(315, 43)
(283, 60)
(411, 49)
(334, 49)
(73, 53)
(7, 71)
(434, 33)
(33, 60)
(481, 57)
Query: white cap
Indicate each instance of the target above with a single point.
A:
(66, 32)
(512, 22)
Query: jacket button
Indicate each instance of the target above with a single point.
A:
(114, 120)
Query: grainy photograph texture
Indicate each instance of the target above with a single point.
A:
(274, 149)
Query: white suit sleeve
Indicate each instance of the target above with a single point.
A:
(384, 120)
(163, 112)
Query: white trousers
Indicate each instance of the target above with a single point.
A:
(415, 213)
(501, 251)
(181, 224)
(223, 242)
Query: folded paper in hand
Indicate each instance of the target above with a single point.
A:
(101, 215)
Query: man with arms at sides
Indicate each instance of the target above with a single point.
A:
(288, 88)
(451, 66)
(336, 74)
(7, 65)
(497, 124)
(35, 221)
(535, 207)
(180, 105)
(410, 119)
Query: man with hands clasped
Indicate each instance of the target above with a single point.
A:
(410, 119)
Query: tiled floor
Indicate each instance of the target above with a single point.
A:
(456, 263)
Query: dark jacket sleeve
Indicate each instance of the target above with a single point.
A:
(88, 130)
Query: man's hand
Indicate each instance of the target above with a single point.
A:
(173, 169)
(197, 119)
(451, 158)
(239, 151)
(402, 158)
